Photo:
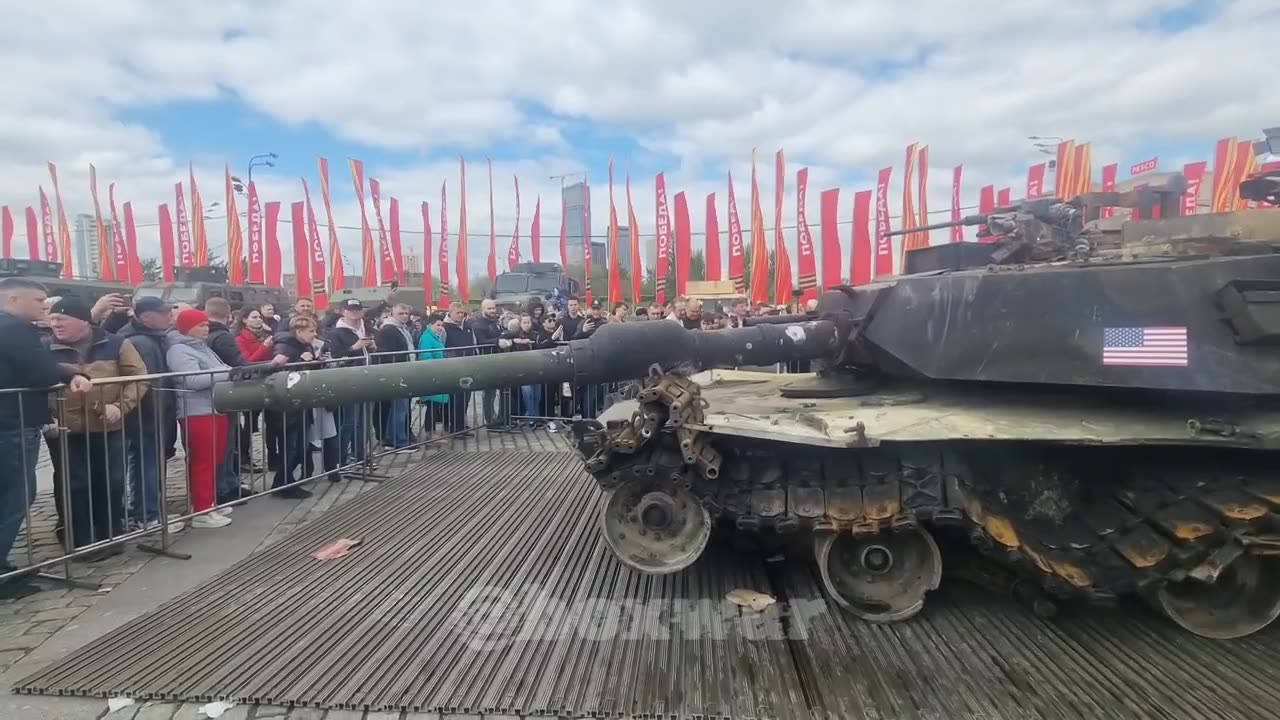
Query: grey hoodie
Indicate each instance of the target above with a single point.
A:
(195, 392)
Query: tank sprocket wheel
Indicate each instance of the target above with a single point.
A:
(880, 578)
(1243, 599)
(655, 525)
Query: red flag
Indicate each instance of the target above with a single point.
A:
(684, 243)
(986, 205)
(427, 290)
(957, 232)
(199, 239)
(493, 230)
(535, 230)
(804, 238)
(386, 265)
(831, 254)
(315, 251)
(663, 224)
(712, 258)
(860, 258)
(1064, 178)
(1194, 173)
(119, 251)
(186, 252)
(443, 301)
(275, 261)
(615, 272)
(911, 238)
(301, 254)
(1004, 198)
(782, 286)
(1082, 170)
(759, 253)
(1137, 213)
(397, 251)
(46, 228)
(564, 232)
(922, 186)
(737, 253)
(1109, 185)
(337, 274)
(464, 286)
(633, 241)
(131, 246)
(883, 243)
(64, 230)
(257, 269)
(1035, 181)
(513, 252)
(167, 254)
(106, 268)
(586, 244)
(235, 237)
(33, 234)
(369, 277)
(6, 232)
(1243, 167)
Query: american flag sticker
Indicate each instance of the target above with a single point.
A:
(1145, 346)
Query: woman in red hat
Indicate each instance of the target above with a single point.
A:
(204, 433)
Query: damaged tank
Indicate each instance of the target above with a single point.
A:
(1067, 411)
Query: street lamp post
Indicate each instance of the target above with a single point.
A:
(264, 159)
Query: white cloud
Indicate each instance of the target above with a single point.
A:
(843, 86)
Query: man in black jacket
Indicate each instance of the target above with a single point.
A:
(350, 338)
(488, 332)
(459, 341)
(24, 363)
(395, 336)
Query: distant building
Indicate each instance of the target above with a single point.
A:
(88, 248)
(624, 247)
(577, 206)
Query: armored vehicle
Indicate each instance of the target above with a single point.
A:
(195, 285)
(48, 274)
(513, 290)
(1065, 412)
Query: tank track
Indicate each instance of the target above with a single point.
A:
(1087, 523)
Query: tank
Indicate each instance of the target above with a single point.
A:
(1072, 413)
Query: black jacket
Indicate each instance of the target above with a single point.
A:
(459, 336)
(25, 363)
(570, 325)
(340, 339)
(486, 331)
(150, 345)
(390, 339)
(588, 327)
(223, 344)
(293, 348)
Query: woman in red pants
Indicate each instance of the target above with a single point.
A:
(204, 432)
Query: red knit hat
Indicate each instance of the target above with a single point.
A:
(188, 319)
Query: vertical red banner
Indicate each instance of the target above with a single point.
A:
(1064, 175)
(199, 238)
(1109, 185)
(1243, 167)
(737, 253)
(493, 230)
(386, 266)
(257, 266)
(832, 255)
(428, 292)
(586, 244)
(1082, 169)
(301, 253)
(33, 234)
(168, 255)
(337, 271)
(615, 272)
(64, 230)
(369, 268)
(513, 252)
(663, 224)
(397, 253)
(922, 192)
(535, 230)
(782, 282)
(275, 258)
(1035, 181)
(315, 253)
(444, 299)
(6, 232)
(564, 232)
(860, 257)
(131, 246)
(106, 269)
(46, 228)
(1194, 173)
(684, 243)
(464, 285)
(712, 225)
(883, 243)
(186, 252)
(986, 205)
(633, 240)
(119, 249)
(759, 251)
(908, 202)
(235, 236)
(1004, 198)
(807, 259)
(957, 232)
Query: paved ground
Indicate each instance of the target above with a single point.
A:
(42, 627)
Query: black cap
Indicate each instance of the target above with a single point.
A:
(595, 305)
(72, 307)
(151, 303)
(352, 304)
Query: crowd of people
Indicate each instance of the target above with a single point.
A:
(139, 379)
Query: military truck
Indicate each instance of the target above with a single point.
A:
(513, 290)
(194, 286)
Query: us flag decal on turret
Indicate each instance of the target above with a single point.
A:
(1145, 346)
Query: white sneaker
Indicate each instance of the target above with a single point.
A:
(223, 511)
(210, 520)
(174, 526)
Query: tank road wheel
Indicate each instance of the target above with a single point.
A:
(655, 526)
(880, 578)
(1244, 599)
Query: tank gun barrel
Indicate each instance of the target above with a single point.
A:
(617, 351)
(965, 221)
